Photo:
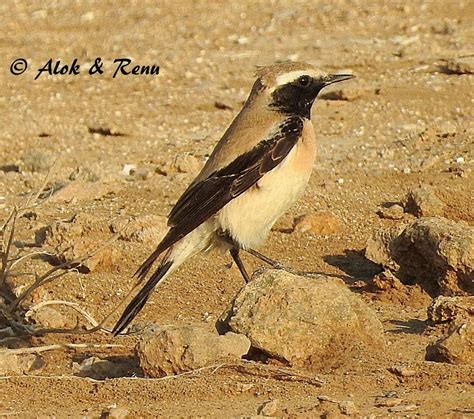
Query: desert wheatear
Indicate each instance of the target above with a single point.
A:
(258, 169)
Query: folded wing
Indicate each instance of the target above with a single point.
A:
(206, 197)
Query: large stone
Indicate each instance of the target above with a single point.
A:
(450, 309)
(11, 363)
(456, 348)
(311, 323)
(174, 350)
(435, 252)
(423, 202)
(378, 248)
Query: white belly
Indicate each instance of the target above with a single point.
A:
(249, 217)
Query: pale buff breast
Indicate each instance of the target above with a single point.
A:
(249, 217)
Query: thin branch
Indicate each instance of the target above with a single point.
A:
(68, 265)
(34, 197)
(242, 366)
(277, 373)
(6, 249)
(7, 221)
(28, 255)
(39, 349)
(74, 306)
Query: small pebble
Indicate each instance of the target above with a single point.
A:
(402, 371)
(326, 399)
(403, 408)
(269, 408)
(115, 412)
(387, 402)
(394, 212)
(447, 129)
(128, 169)
(461, 65)
(348, 408)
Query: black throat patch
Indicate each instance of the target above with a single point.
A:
(295, 100)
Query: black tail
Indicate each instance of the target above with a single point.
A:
(141, 298)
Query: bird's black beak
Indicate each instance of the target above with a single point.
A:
(336, 78)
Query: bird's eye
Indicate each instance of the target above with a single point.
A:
(304, 81)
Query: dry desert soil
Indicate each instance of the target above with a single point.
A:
(105, 149)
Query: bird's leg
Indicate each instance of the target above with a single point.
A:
(278, 265)
(234, 252)
(273, 263)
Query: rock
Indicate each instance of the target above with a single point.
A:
(456, 348)
(324, 398)
(423, 202)
(19, 363)
(141, 229)
(116, 413)
(80, 190)
(387, 401)
(392, 212)
(447, 129)
(174, 350)
(402, 371)
(48, 317)
(412, 130)
(107, 259)
(132, 172)
(72, 239)
(129, 169)
(348, 407)
(321, 223)
(386, 280)
(312, 323)
(182, 163)
(105, 131)
(461, 65)
(448, 309)
(378, 246)
(98, 368)
(403, 408)
(186, 163)
(435, 252)
(269, 408)
(222, 106)
(342, 94)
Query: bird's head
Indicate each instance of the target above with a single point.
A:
(291, 87)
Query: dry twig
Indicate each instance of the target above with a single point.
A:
(39, 349)
(11, 305)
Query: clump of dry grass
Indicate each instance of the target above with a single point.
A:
(14, 314)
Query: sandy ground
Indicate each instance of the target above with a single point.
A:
(402, 122)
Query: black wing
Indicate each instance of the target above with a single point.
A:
(205, 198)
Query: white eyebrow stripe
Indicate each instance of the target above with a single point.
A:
(293, 75)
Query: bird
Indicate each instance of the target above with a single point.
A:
(258, 169)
